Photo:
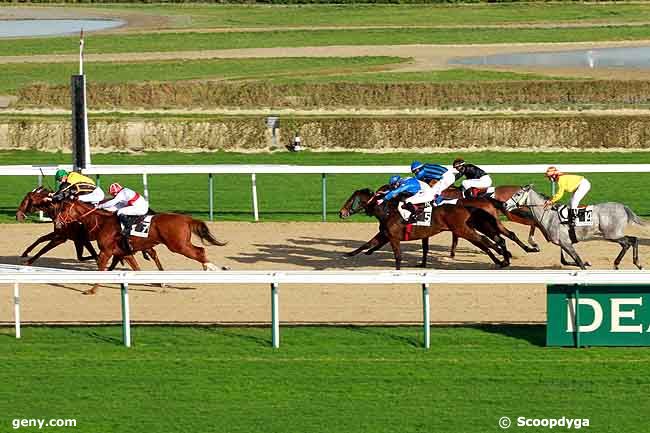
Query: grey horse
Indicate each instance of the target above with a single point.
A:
(609, 220)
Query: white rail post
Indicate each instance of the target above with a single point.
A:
(256, 214)
(275, 316)
(426, 306)
(211, 196)
(126, 319)
(324, 188)
(145, 185)
(17, 309)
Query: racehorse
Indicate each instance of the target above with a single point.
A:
(172, 230)
(501, 194)
(609, 220)
(468, 223)
(39, 200)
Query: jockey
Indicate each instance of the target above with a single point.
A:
(429, 172)
(128, 203)
(474, 177)
(419, 192)
(575, 184)
(76, 184)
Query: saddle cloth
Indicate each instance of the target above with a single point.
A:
(485, 192)
(583, 219)
(424, 218)
(140, 227)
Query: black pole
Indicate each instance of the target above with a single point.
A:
(77, 86)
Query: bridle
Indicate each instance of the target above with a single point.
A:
(64, 217)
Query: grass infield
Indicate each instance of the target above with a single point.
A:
(322, 379)
(287, 197)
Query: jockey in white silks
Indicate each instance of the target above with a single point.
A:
(127, 203)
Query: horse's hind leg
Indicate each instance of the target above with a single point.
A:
(397, 252)
(154, 255)
(625, 242)
(48, 237)
(635, 252)
(51, 245)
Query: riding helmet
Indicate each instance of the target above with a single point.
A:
(115, 188)
(60, 174)
(416, 165)
(394, 180)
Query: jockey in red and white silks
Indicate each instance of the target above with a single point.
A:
(126, 201)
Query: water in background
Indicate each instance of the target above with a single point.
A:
(20, 28)
(627, 57)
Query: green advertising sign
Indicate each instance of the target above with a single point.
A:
(607, 315)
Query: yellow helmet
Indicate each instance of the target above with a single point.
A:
(552, 171)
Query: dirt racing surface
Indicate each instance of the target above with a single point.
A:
(299, 246)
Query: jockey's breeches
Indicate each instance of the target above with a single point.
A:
(139, 207)
(481, 183)
(422, 196)
(95, 196)
(447, 180)
(583, 188)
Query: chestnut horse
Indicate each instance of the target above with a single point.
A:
(501, 194)
(472, 224)
(172, 230)
(39, 200)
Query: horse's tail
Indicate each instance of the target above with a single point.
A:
(200, 229)
(632, 217)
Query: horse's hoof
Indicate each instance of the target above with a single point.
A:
(587, 264)
(451, 256)
(90, 292)
(535, 250)
(225, 268)
(24, 255)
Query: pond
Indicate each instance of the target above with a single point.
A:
(54, 27)
(619, 57)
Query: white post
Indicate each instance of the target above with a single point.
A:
(126, 319)
(275, 316)
(17, 309)
(426, 316)
(256, 214)
(211, 197)
(145, 186)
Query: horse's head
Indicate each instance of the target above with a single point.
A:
(357, 201)
(520, 198)
(35, 200)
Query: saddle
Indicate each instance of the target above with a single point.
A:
(480, 192)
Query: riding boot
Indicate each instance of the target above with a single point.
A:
(572, 225)
(413, 217)
(126, 229)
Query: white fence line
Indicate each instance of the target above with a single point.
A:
(25, 275)
(323, 170)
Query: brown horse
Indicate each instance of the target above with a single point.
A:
(472, 224)
(501, 194)
(172, 230)
(39, 200)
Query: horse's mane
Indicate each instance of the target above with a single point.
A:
(366, 191)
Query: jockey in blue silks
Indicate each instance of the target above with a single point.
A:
(418, 191)
(429, 172)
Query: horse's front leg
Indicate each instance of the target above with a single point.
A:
(574, 255)
(454, 244)
(425, 252)
(397, 252)
(51, 245)
(531, 239)
(102, 264)
(371, 243)
(48, 237)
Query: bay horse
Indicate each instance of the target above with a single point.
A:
(501, 194)
(472, 224)
(172, 230)
(39, 199)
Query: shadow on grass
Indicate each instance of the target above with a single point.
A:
(88, 333)
(386, 334)
(237, 334)
(533, 334)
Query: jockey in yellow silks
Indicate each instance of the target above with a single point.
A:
(76, 184)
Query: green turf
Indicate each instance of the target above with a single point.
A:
(287, 197)
(17, 75)
(332, 379)
(238, 16)
(165, 42)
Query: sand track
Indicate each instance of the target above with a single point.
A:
(282, 246)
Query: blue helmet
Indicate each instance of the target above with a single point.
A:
(394, 180)
(415, 165)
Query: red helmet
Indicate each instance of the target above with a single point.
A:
(115, 188)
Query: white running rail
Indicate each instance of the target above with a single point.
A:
(17, 275)
(323, 170)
